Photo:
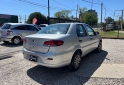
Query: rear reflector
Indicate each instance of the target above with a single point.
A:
(53, 43)
(24, 40)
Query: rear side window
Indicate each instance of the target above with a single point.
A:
(19, 28)
(6, 26)
(31, 28)
(55, 29)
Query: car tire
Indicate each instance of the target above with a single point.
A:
(16, 40)
(75, 62)
(99, 48)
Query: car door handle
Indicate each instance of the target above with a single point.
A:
(91, 38)
(80, 40)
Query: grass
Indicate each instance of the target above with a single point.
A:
(110, 34)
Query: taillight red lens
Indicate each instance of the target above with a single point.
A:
(53, 43)
(24, 40)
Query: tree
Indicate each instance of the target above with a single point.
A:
(89, 18)
(82, 13)
(64, 14)
(109, 20)
(41, 19)
(82, 10)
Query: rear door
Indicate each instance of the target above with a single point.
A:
(94, 39)
(83, 38)
(19, 30)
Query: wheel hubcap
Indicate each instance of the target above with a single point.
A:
(16, 41)
(77, 61)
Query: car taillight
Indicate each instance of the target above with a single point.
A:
(24, 40)
(9, 32)
(53, 43)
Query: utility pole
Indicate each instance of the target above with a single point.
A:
(48, 12)
(91, 12)
(25, 19)
(20, 18)
(122, 21)
(101, 13)
(105, 14)
(76, 12)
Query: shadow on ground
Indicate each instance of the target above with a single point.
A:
(7, 44)
(63, 76)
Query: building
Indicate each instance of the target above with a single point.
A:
(8, 18)
(93, 12)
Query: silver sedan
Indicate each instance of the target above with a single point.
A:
(61, 44)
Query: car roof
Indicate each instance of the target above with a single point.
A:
(71, 23)
(15, 23)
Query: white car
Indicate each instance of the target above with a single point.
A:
(61, 44)
(43, 25)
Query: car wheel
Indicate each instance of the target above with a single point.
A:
(99, 48)
(16, 40)
(75, 62)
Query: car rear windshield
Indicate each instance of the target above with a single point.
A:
(6, 26)
(55, 29)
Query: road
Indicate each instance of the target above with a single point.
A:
(105, 68)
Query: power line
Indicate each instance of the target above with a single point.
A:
(91, 2)
(64, 5)
(105, 5)
(40, 5)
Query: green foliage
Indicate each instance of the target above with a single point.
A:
(82, 10)
(41, 19)
(89, 18)
(109, 20)
(64, 14)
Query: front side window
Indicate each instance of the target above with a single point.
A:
(81, 32)
(89, 30)
(55, 29)
(31, 28)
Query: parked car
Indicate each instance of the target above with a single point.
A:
(43, 25)
(37, 26)
(61, 44)
(15, 32)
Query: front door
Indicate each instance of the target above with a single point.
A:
(93, 37)
(83, 38)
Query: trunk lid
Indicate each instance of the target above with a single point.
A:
(36, 42)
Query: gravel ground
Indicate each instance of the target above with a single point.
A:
(15, 70)
(6, 48)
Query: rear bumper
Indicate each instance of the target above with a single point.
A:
(43, 59)
(6, 38)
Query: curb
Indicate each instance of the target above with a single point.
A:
(111, 38)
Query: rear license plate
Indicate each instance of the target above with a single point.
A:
(33, 58)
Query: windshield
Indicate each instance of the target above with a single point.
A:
(6, 26)
(55, 29)
(37, 27)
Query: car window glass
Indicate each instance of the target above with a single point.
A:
(55, 29)
(31, 28)
(19, 28)
(81, 32)
(89, 30)
(6, 26)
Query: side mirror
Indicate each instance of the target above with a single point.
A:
(96, 33)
